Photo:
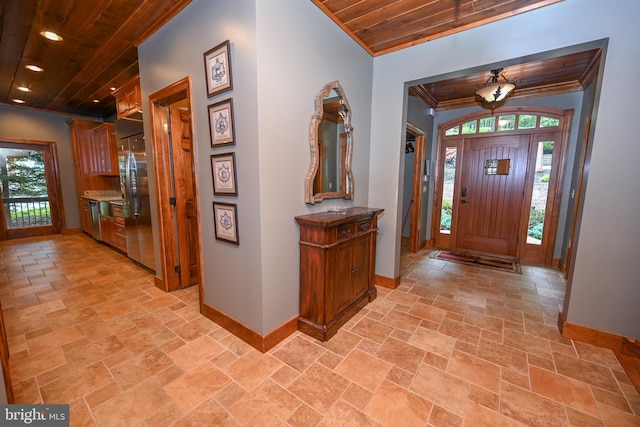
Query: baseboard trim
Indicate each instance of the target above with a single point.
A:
(159, 282)
(246, 334)
(69, 231)
(589, 335)
(630, 347)
(387, 282)
(626, 350)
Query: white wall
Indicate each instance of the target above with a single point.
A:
(24, 123)
(283, 53)
(232, 277)
(605, 287)
(299, 51)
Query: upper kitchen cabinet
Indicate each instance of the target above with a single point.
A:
(95, 160)
(105, 150)
(129, 100)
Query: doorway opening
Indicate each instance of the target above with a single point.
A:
(499, 182)
(30, 189)
(412, 204)
(177, 193)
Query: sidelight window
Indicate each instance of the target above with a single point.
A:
(540, 193)
(451, 154)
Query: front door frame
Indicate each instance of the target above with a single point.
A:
(545, 255)
(159, 102)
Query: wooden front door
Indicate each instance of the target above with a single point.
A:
(499, 182)
(184, 181)
(491, 193)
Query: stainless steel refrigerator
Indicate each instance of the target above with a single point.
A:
(134, 182)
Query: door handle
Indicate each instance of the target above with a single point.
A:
(463, 201)
(463, 192)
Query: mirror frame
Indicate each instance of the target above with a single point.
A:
(309, 196)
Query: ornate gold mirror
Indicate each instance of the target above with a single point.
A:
(331, 143)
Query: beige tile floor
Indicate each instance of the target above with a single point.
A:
(452, 346)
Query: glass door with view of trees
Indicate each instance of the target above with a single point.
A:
(26, 197)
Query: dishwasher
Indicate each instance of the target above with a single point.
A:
(95, 220)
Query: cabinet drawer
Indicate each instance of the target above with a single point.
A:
(346, 231)
(121, 242)
(118, 220)
(363, 226)
(120, 228)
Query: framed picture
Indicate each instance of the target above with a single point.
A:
(221, 125)
(217, 69)
(223, 169)
(226, 222)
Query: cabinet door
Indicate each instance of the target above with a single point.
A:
(122, 105)
(133, 98)
(361, 265)
(99, 145)
(105, 150)
(108, 231)
(339, 292)
(85, 216)
(88, 157)
(128, 98)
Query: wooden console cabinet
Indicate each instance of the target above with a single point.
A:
(337, 268)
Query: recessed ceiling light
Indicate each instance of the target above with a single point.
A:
(18, 101)
(24, 89)
(112, 89)
(34, 68)
(50, 35)
(96, 100)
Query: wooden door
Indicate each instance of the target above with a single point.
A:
(186, 219)
(491, 194)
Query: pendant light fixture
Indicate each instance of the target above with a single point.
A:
(495, 90)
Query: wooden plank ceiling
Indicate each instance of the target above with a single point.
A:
(98, 51)
(383, 26)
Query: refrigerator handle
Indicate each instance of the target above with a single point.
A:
(136, 187)
(130, 183)
(127, 180)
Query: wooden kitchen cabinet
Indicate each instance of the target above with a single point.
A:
(86, 157)
(128, 98)
(337, 268)
(107, 230)
(104, 150)
(85, 216)
(120, 233)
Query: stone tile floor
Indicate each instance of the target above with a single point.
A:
(454, 345)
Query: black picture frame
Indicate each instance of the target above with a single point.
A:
(222, 130)
(225, 221)
(217, 69)
(223, 172)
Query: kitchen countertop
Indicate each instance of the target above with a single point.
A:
(103, 195)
